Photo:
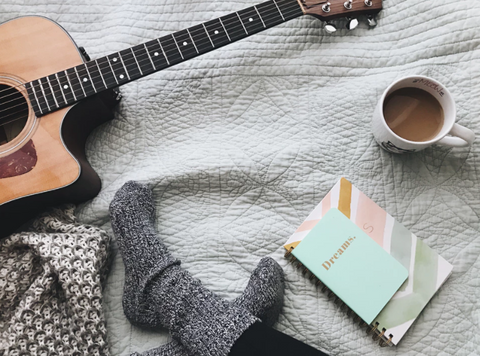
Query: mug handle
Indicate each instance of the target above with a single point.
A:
(465, 137)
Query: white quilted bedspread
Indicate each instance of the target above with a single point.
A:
(240, 144)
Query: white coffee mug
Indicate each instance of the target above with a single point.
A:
(458, 136)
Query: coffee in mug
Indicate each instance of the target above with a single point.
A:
(415, 112)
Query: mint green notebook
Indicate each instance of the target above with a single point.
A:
(352, 265)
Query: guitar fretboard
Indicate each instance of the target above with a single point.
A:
(65, 88)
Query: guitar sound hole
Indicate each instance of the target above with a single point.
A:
(13, 113)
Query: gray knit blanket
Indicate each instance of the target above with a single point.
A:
(51, 288)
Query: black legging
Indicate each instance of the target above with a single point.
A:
(261, 340)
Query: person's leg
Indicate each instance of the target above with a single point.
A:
(261, 340)
(158, 292)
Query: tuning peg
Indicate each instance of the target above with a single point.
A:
(326, 7)
(368, 2)
(352, 23)
(372, 22)
(348, 4)
(330, 27)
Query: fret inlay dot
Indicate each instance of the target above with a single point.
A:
(65, 86)
(122, 76)
(250, 19)
(185, 43)
(115, 59)
(85, 80)
(155, 54)
(216, 32)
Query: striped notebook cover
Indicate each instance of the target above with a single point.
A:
(427, 270)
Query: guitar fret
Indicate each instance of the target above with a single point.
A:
(61, 89)
(150, 57)
(126, 71)
(250, 19)
(185, 43)
(70, 84)
(156, 54)
(163, 51)
(74, 83)
(66, 87)
(43, 92)
(226, 32)
(111, 67)
(51, 88)
(271, 15)
(216, 33)
(234, 26)
(49, 98)
(56, 91)
(193, 42)
(40, 99)
(208, 35)
(287, 11)
(130, 64)
(136, 61)
(275, 2)
(177, 46)
(140, 54)
(95, 76)
(91, 81)
(107, 73)
(85, 80)
(260, 17)
(80, 81)
(201, 39)
(174, 54)
(101, 75)
(242, 23)
(32, 89)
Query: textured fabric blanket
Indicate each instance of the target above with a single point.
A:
(240, 144)
(51, 288)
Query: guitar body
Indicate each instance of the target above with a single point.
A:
(45, 163)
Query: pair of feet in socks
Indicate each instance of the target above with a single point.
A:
(159, 293)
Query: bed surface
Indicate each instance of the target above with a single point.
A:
(240, 144)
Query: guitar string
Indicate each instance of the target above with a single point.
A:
(174, 46)
(201, 30)
(147, 58)
(138, 59)
(79, 85)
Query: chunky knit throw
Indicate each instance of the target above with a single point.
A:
(51, 288)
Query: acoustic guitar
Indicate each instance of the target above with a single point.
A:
(52, 96)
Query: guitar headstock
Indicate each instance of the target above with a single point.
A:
(327, 10)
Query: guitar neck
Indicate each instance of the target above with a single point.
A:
(67, 87)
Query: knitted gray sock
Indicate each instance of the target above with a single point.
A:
(263, 296)
(158, 292)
